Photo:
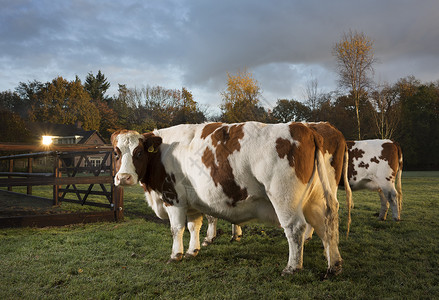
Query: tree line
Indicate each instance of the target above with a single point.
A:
(406, 111)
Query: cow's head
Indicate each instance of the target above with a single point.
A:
(133, 152)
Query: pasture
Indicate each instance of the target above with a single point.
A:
(128, 259)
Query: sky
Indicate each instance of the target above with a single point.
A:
(284, 44)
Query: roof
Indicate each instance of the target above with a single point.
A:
(63, 130)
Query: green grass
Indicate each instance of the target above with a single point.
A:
(382, 260)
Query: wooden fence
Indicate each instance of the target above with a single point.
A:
(71, 167)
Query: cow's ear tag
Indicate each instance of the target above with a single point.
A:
(152, 150)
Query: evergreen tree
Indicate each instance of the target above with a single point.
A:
(97, 86)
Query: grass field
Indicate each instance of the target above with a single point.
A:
(382, 260)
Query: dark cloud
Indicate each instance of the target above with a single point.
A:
(195, 43)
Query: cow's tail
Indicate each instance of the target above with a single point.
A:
(347, 188)
(398, 179)
(332, 205)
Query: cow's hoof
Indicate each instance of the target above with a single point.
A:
(206, 242)
(333, 270)
(288, 271)
(177, 258)
(191, 255)
(235, 238)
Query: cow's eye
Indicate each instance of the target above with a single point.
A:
(139, 154)
(116, 155)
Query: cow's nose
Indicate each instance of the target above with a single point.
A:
(124, 179)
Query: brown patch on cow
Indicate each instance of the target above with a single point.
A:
(169, 194)
(354, 153)
(225, 140)
(375, 160)
(363, 165)
(334, 143)
(285, 148)
(209, 128)
(300, 158)
(154, 173)
(390, 154)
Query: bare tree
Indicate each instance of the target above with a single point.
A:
(387, 113)
(312, 93)
(354, 54)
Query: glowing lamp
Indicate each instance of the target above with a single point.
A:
(47, 140)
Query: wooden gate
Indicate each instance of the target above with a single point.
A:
(73, 177)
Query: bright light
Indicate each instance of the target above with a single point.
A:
(47, 140)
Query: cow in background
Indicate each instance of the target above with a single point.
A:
(239, 172)
(376, 165)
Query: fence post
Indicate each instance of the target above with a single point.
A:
(118, 203)
(11, 169)
(56, 174)
(116, 193)
(29, 170)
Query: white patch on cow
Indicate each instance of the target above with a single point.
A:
(155, 201)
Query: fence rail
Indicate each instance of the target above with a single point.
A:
(68, 162)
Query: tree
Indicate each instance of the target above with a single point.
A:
(241, 99)
(13, 128)
(122, 106)
(312, 93)
(354, 54)
(28, 95)
(291, 110)
(420, 126)
(63, 102)
(9, 100)
(188, 110)
(387, 111)
(97, 86)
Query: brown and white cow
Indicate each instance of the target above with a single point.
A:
(376, 165)
(336, 159)
(238, 172)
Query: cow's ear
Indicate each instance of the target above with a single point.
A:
(152, 143)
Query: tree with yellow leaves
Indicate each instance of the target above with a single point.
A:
(354, 54)
(65, 102)
(241, 99)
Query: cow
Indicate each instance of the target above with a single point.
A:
(336, 159)
(239, 172)
(376, 165)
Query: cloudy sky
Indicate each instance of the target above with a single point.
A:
(176, 43)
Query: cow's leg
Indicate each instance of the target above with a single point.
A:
(294, 231)
(236, 233)
(177, 218)
(315, 214)
(384, 205)
(287, 204)
(392, 198)
(211, 230)
(194, 223)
